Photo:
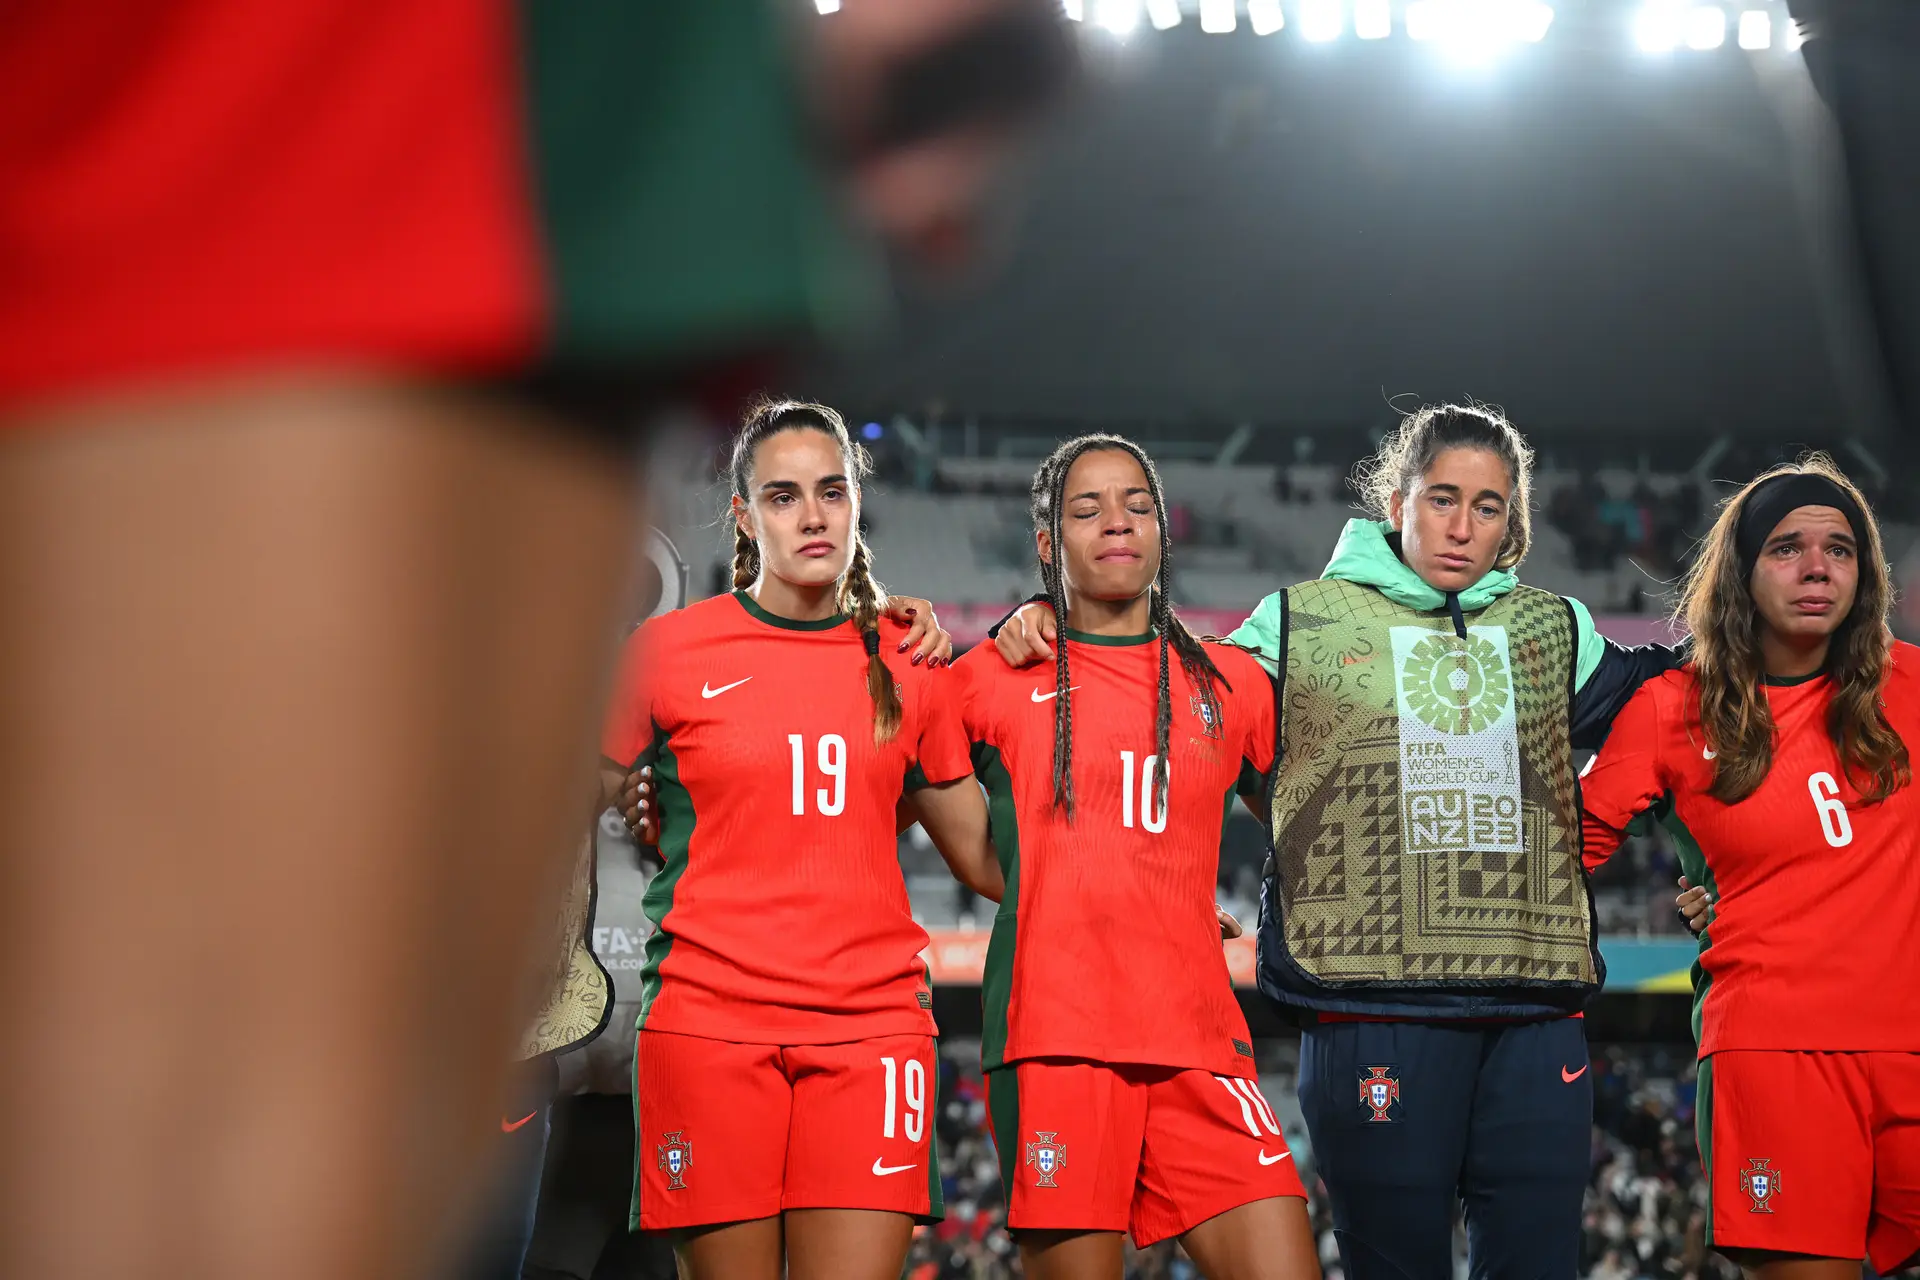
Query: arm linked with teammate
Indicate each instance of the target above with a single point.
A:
(1623, 781)
(954, 816)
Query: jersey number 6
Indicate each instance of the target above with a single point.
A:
(1834, 823)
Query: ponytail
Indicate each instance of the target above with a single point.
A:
(862, 597)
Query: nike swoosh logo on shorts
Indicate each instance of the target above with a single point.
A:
(509, 1126)
(882, 1170)
(1267, 1159)
(1571, 1076)
(1049, 697)
(707, 692)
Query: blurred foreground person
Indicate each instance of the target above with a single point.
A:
(324, 332)
(1779, 759)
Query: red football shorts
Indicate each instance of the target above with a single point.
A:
(729, 1132)
(1815, 1153)
(1088, 1146)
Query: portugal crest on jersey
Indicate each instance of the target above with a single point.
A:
(1761, 1182)
(1047, 1156)
(1379, 1090)
(1207, 713)
(676, 1157)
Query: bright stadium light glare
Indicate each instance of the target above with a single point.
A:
(1477, 31)
(1756, 29)
(1119, 16)
(1164, 14)
(1216, 16)
(1791, 37)
(1320, 20)
(1656, 28)
(1372, 19)
(1076, 10)
(827, 6)
(1264, 16)
(1531, 20)
(1706, 27)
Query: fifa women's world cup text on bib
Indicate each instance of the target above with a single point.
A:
(1459, 743)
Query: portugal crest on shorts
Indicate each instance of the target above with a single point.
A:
(1761, 1182)
(1047, 1156)
(1379, 1090)
(676, 1157)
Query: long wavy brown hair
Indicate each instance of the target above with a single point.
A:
(1716, 605)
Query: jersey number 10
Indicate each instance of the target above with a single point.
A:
(831, 751)
(1148, 819)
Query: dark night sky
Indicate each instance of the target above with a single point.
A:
(1236, 228)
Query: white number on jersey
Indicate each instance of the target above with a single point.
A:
(1147, 789)
(832, 754)
(1833, 814)
(914, 1118)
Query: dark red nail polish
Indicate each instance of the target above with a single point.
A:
(916, 659)
(903, 646)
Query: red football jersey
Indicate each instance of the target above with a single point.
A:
(1106, 946)
(781, 915)
(1818, 894)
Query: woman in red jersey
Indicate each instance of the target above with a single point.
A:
(785, 1066)
(1777, 759)
(1121, 1074)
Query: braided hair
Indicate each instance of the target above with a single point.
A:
(859, 594)
(1048, 499)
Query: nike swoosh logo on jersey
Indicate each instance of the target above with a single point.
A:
(707, 692)
(1706, 753)
(1267, 1159)
(882, 1170)
(1571, 1076)
(1049, 697)
(510, 1126)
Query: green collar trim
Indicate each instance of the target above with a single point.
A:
(1788, 682)
(754, 610)
(1111, 642)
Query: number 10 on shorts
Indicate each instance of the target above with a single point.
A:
(913, 1118)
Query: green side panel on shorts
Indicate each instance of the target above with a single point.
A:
(996, 979)
(1003, 1108)
(678, 196)
(1703, 1131)
(676, 833)
(936, 1194)
(633, 1200)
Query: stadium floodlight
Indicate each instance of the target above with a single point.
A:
(1791, 37)
(1756, 29)
(1119, 16)
(1706, 26)
(1216, 16)
(1477, 31)
(827, 6)
(1265, 16)
(1372, 19)
(1164, 14)
(1075, 10)
(1656, 28)
(1320, 20)
(1531, 20)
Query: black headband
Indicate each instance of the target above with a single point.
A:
(1772, 500)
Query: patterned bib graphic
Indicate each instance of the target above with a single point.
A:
(1459, 748)
(1455, 686)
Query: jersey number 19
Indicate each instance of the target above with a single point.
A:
(831, 751)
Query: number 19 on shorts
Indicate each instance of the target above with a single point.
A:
(912, 1081)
